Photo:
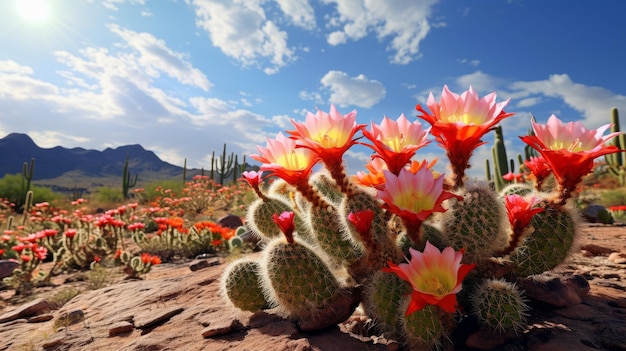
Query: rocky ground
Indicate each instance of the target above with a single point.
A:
(178, 307)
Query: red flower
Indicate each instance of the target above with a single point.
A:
(70, 233)
(569, 149)
(396, 141)
(362, 221)
(285, 222)
(520, 211)
(459, 122)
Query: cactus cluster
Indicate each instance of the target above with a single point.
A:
(343, 235)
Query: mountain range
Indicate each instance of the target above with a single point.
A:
(61, 168)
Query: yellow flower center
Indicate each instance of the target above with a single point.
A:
(293, 160)
(465, 118)
(330, 138)
(436, 282)
(573, 146)
(395, 143)
(413, 202)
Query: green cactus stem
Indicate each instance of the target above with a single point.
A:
(500, 306)
(128, 182)
(28, 170)
(423, 329)
(478, 223)
(615, 161)
(382, 297)
(241, 283)
(296, 278)
(555, 230)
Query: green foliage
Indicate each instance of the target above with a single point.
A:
(297, 279)
(616, 161)
(153, 191)
(108, 196)
(613, 197)
(11, 189)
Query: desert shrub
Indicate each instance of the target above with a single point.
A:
(613, 197)
(108, 196)
(155, 190)
(63, 296)
(11, 189)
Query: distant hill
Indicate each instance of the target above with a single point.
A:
(60, 167)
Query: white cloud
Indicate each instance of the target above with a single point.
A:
(300, 12)
(593, 102)
(112, 4)
(358, 91)
(241, 30)
(51, 138)
(314, 96)
(480, 81)
(156, 57)
(404, 21)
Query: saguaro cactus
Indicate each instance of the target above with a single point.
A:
(128, 182)
(615, 162)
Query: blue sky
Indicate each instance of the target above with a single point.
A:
(183, 77)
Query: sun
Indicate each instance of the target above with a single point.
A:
(34, 11)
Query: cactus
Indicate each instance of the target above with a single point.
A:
(128, 182)
(185, 171)
(422, 330)
(500, 306)
(476, 224)
(223, 166)
(296, 278)
(555, 230)
(616, 162)
(383, 295)
(345, 241)
(28, 170)
(242, 285)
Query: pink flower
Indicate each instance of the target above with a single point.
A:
(569, 148)
(329, 135)
(396, 141)
(253, 178)
(414, 196)
(285, 160)
(459, 122)
(436, 277)
(40, 252)
(286, 224)
(70, 233)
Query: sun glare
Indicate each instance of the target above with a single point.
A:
(34, 11)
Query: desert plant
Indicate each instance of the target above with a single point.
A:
(326, 235)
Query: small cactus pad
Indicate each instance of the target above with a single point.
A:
(549, 244)
(296, 278)
(499, 305)
(383, 294)
(242, 285)
(477, 223)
